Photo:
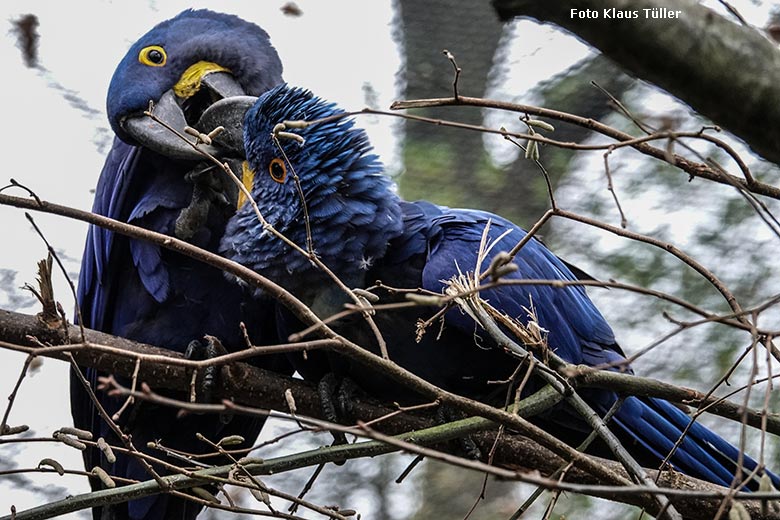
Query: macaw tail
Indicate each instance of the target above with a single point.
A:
(656, 425)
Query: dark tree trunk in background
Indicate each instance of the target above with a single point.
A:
(455, 161)
(450, 167)
(726, 71)
(471, 31)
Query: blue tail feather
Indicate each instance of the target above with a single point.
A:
(657, 425)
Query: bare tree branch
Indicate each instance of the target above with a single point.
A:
(725, 71)
(262, 389)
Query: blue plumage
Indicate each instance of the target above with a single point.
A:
(351, 209)
(138, 290)
(192, 36)
(364, 232)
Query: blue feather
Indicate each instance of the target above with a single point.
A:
(135, 289)
(365, 233)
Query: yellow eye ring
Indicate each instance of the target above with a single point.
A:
(278, 170)
(153, 56)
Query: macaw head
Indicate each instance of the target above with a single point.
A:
(328, 176)
(183, 66)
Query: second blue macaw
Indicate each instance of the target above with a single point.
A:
(364, 232)
(152, 179)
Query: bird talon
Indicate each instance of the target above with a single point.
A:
(345, 398)
(198, 350)
(465, 445)
(210, 189)
(327, 389)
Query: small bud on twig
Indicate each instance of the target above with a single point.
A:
(214, 133)
(250, 460)
(13, 430)
(503, 271)
(500, 266)
(81, 434)
(52, 464)
(106, 449)
(298, 123)
(261, 496)
(70, 441)
(278, 131)
(368, 295)
(205, 495)
(231, 440)
(532, 150)
(288, 396)
(544, 125)
(104, 477)
(200, 136)
(424, 299)
(669, 151)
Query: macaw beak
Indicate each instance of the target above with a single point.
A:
(228, 113)
(204, 111)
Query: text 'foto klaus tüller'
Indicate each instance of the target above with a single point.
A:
(613, 13)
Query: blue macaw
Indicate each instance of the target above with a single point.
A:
(364, 232)
(152, 179)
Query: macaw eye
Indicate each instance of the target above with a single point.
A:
(154, 56)
(278, 170)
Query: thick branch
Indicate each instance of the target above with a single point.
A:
(255, 386)
(252, 386)
(691, 498)
(730, 73)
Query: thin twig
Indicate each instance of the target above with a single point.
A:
(457, 69)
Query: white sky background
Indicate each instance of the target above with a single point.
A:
(57, 149)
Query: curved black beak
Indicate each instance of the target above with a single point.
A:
(228, 113)
(216, 90)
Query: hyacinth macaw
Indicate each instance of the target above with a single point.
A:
(152, 179)
(364, 232)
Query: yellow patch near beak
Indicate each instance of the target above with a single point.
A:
(247, 179)
(189, 82)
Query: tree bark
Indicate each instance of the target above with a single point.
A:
(252, 386)
(727, 72)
